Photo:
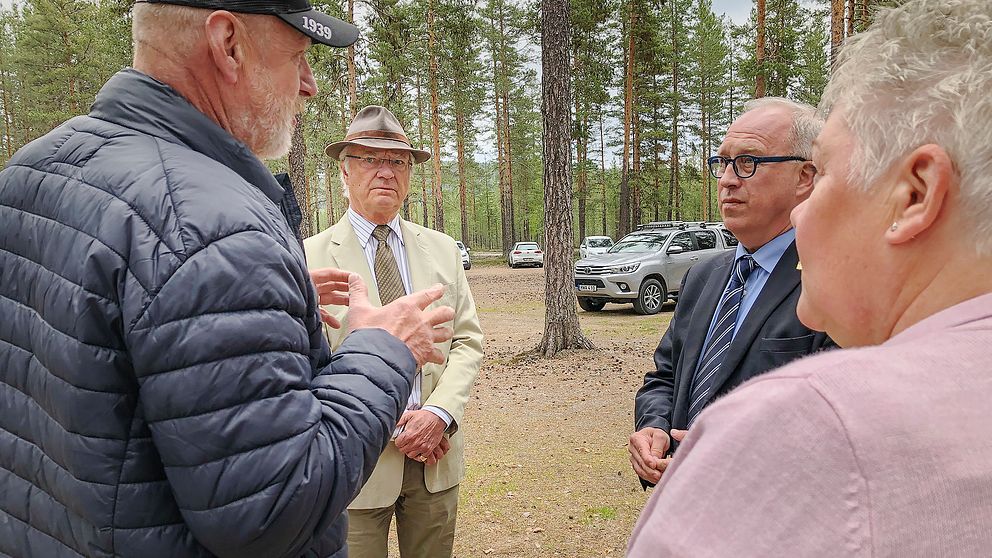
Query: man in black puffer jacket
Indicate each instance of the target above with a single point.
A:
(165, 387)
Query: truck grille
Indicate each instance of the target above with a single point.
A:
(592, 270)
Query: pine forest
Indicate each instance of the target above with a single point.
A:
(654, 86)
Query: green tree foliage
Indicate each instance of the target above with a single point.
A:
(60, 52)
(691, 73)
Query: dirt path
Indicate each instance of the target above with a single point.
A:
(548, 473)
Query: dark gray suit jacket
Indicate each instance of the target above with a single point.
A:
(770, 336)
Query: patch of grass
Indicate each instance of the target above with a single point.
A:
(488, 261)
(602, 513)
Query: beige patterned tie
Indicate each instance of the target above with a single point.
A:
(387, 273)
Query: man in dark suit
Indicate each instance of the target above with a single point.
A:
(736, 316)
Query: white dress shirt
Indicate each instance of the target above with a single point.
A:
(363, 230)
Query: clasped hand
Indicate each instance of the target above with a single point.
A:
(647, 448)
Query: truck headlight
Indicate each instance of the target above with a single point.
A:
(627, 268)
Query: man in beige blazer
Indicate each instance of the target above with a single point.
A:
(416, 478)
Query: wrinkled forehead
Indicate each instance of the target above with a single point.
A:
(763, 131)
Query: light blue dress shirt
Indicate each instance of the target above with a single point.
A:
(767, 258)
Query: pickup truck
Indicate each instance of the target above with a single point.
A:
(647, 266)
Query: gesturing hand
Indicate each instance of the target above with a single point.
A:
(405, 318)
(332, 288)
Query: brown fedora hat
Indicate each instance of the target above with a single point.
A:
(376, 127)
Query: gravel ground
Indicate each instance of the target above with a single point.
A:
(546, 453)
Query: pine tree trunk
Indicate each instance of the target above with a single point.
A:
(8, 121)
(657, 182)
(462, 180)
(676, 105)
(602, 170)
(352, 74)
(635, 171)
(329, 192)
(759, 78)
(420, 133)
(705, 144)
(435, 119)
(849, 18)
(581, 146)
(561, 321)
(525, 211)
(863, 17)
(581, 153)
(505, 195)
(508, 158)
(623, 223)
(298, 175)
(836, 28)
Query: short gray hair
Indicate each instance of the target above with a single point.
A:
(178, 28)
(922, 74)
(181, 26)
(806, 122)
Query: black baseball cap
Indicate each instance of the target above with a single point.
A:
(320, 27)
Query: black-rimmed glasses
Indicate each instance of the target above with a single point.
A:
(744, 165)
(370, 163)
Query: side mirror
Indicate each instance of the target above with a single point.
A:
(675, 249)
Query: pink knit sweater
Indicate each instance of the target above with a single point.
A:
(878, 451)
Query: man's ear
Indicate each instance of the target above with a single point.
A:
(924, 180)
(225, 35)
(805, 185)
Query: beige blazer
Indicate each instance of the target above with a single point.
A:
(433, 258)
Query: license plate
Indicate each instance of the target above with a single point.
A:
(587, 287)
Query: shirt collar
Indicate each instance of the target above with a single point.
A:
(767, 256)
(363, 227)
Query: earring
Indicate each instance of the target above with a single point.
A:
(894, 226)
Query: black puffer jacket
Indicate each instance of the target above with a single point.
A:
(165, 389)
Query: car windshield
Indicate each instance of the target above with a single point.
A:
(640, 243)
(460, 245)
(530, 246)
(600, 243)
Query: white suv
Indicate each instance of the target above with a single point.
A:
(592, 245)
(466, 258)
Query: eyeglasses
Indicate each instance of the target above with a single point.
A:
(369, 163)
(744, 165)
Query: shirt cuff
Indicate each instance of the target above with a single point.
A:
(440, 413)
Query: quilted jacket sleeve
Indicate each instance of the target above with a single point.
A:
(261, 450)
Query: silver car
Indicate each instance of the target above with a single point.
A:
(647, 266)
(525, 253)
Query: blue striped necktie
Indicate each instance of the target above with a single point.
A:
(723, 334)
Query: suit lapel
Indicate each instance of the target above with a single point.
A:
(784, 278)
(344, 247)
(418, 258)
(702, 313)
